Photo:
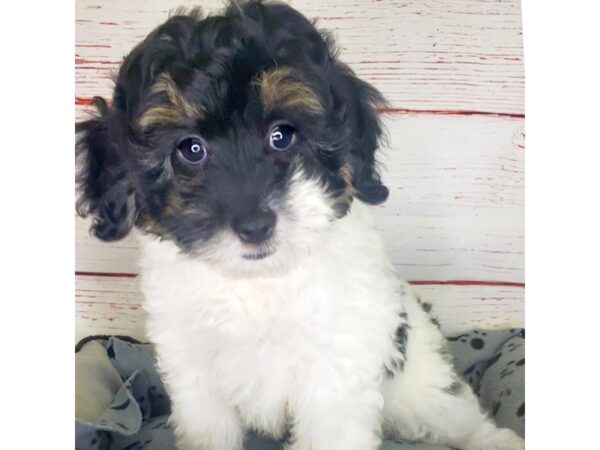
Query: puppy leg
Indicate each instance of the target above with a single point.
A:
(200, 417)
(437, 415)
(201, 420)
(425, 401)
(328, 418)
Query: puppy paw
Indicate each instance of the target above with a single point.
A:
(188, 446)
(499, 439)
(223, 442)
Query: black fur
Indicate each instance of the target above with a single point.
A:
(455, 388)
(130, 176)
(400, 342)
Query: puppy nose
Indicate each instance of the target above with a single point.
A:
(256, 227)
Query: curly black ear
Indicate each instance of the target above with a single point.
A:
(104, 189)
(356, 103)
(105, 170)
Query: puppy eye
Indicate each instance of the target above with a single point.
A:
(282, 137)
(193, 151)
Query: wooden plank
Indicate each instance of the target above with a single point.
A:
(456, 205)
(448, 55)
(108, 305)
(455, 210)
(93, 255)
(112, 305)
(463, 308)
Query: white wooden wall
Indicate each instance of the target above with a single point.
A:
(453, 73)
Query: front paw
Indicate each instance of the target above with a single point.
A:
(187, 445)
(225, 441)
(500, 439)
(334, 442)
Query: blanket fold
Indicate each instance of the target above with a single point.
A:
(492, 362)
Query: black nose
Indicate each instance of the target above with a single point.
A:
(256, 227)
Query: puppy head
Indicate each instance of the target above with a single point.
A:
(239, 137)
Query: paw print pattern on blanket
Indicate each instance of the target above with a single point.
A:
(492, 362)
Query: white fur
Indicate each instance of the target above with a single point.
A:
(299, 339)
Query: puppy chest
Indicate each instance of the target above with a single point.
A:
(258, 360)
(256, 374)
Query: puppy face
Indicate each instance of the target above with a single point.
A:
(239, 137)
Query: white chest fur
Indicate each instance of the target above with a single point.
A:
(332, 317)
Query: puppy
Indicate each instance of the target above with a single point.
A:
(243, 153)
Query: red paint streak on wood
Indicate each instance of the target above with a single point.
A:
(92, 303)
(92, 46)
(415, 282)
(83, 101)
(89, 61)
(96, 68)
(449, 112)
(106, 274)
(466, 283)
(335, 18)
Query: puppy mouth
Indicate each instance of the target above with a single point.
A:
(258, 252)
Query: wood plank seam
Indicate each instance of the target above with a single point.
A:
(414, 282)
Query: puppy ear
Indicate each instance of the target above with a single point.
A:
(356, 103)
(104, 189)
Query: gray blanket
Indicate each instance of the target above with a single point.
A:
(121, 403)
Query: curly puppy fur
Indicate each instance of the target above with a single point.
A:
(242, 151)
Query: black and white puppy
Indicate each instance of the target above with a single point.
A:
(243, 153)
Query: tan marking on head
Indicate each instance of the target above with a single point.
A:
(149, 225)
(166, 84)
(347, 174)
(278, 89)
(342, 202)
(173, 205)
(176, 110)
(160, 115)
